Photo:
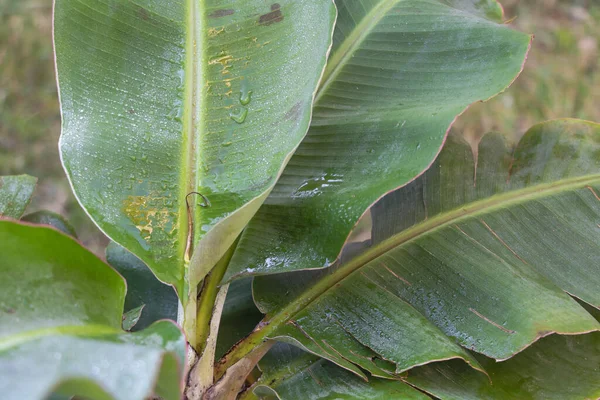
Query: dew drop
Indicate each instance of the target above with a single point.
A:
(245, 97)
(240, 115)
(133, 158)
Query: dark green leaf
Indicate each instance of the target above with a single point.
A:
(240, 316)
(291, 374)
(56, 221)
(159, 300)
(556, 368)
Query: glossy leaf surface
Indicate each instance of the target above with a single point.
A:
(290, 374)
(556, 368)
(162, 98)
(143, 289)
(399, 74)
(60, 325)
(45, 217)
(485, 251)
(15, 194)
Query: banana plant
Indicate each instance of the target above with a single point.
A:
(280, 178)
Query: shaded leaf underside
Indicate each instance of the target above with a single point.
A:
(479, 257)
(143, 289)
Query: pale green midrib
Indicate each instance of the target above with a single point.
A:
(67, 330)
(193, 101)
(351, 44)
(424, 228)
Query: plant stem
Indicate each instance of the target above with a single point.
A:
(203, 341)
(206, 302)
(200, 377)
(230, 384)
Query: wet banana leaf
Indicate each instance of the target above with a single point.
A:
(167, 103)
(289, 374)
(60, 325)
(481, 251)
(15, 194)
(399, 74)
(556, 368)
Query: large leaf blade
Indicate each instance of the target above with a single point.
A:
(162, 99)
(60, 325)
(399, 73)
(449, 256)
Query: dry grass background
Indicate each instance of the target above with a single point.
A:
(561, 79)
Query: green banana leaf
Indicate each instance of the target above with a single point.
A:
(556, 368)
(399, 73)
(288, 373)
(484, 250)
(60, 325)
(165, 99)
(15, 194)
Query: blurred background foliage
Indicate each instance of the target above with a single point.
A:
(561, 79)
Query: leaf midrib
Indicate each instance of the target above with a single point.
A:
(351, 44)
(423, 228)
(193, 102)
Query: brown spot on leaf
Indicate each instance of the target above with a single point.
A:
(273, 17)
(143, 14)
(294, 113)
(221, 13)
(131, 111)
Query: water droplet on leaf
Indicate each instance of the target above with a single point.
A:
(239, 116)
(245, 97)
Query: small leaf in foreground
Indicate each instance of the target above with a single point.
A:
(60, 325)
